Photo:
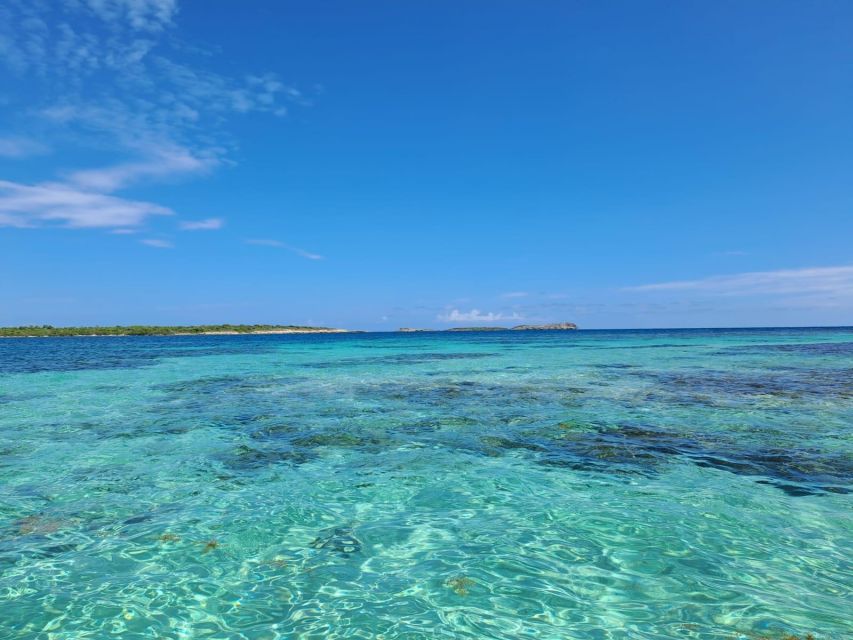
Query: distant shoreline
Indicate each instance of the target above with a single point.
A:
(83, 332)
(47, 331)
(556, 326)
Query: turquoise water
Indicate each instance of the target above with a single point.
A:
(650, 484)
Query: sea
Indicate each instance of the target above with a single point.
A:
(653, 484)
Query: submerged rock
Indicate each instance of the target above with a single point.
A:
(41, 525)
(209, 546)
(339, 539)
(460, 585)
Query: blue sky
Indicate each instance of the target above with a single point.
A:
(383, 164)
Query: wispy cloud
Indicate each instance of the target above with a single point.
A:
(306, 254)
(281, 245)
(475, 315)
(56, 203)
(21, 147)
(209, 224)
(163, 162)
(515, 294)
(143, 15)
(157, 243)
(266, 243)
(118, 79)
(835, 281)
(131, 88)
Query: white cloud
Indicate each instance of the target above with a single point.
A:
(84, 200)
(163, 163)
(209, 224)
(20, 147)
(53, 202)
(475, 315)
(281, 245)
(159, 244)
(833, 281)
(515, 294)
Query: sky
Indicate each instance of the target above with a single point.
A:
(426, 163)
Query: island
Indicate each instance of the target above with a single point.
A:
(557, 326)
(48, 331)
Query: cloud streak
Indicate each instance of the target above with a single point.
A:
(835, 281)
(209, 224)
(163, 163)
(262, 242)
(157, 243)
(21, 147)
(84, 198)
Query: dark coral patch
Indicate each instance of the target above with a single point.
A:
(790, 384)
(797, 472)
(245, 458)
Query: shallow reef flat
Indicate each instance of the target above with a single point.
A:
(585, 484)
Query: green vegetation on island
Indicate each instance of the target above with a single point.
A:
(47, 330)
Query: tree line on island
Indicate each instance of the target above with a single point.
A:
(46, 330)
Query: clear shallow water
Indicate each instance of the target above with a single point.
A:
(654, 484)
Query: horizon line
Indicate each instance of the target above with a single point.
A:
(426, 329)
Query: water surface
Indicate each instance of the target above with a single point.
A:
(648, 484)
